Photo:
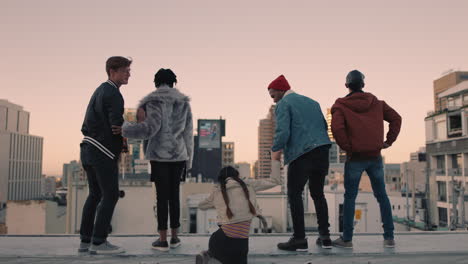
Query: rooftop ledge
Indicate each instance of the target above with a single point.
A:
(419, 247)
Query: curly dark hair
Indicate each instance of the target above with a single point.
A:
(165, 76)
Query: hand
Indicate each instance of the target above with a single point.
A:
(141, 115)
(385, 145)
(125, 146)
(276, 155)
(116, 130)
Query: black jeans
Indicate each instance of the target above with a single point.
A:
(166, 176)
(228, 250)
(313, 167)
(103, 182)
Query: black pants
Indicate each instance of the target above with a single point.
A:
(103, 182)
(166, 177)
(313, 167)
(228, 250)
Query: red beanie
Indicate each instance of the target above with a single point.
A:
(279, 83)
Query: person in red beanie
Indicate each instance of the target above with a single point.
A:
(358, 127)
(301, 134)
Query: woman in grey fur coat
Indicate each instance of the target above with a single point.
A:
(165, 120)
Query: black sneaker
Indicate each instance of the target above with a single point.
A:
(324, 242)
(294, 244)
(160, 245)
(175, 242)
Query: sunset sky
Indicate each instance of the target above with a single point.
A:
(225, 53)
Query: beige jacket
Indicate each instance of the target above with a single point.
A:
(237, 201)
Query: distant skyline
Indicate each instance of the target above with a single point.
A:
(225, 54)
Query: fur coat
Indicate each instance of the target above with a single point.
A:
(168, 126)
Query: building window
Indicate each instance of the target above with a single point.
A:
(454, 125)
(456, 164)
(440, 162)
(442, 191)
(442, 216)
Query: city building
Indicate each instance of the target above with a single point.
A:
(48, 186)
(208, 149)
(266, 133)
(328, 118)
(128, 218)
(392, 172)
(35, 217)
(447, 152)
(228, 154)
(244, 169)
(336, 154)
(69, 171)
(366, 217)
(413, 173)
(132, 164)
(449, 80)
(20, 155)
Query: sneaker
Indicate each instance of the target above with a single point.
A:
(105, 248)
(389, 243)
(324, 242)
(160, 245)
(294, 244)
(342, 244)
(175, 242)
(203, 258)
(84, 247)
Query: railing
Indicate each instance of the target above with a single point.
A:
(455, 172)
(442, 198)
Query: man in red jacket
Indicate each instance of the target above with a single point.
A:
(358, 127)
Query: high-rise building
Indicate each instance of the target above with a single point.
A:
(266, 134)
(70, 170)
(20, 155)
(328, 117)
(133, 164)
(228, 154)
(336, 154)
(207, 154)
(48, 186)
(447, 151)
(444, 83)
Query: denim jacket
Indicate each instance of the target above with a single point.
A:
(300, 126)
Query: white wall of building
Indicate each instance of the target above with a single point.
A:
(274, 206)
(244, 169)
(367, 212)
(133, 214)
(35, 217)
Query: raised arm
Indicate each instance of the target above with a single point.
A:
(149, 127)
(265, 184)
(207, 203)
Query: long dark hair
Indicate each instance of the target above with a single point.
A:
(230, 172)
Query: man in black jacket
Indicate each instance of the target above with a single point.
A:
(100, 151)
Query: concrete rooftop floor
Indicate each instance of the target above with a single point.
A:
(415, 248)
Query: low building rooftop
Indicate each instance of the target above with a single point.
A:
(411, 247)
